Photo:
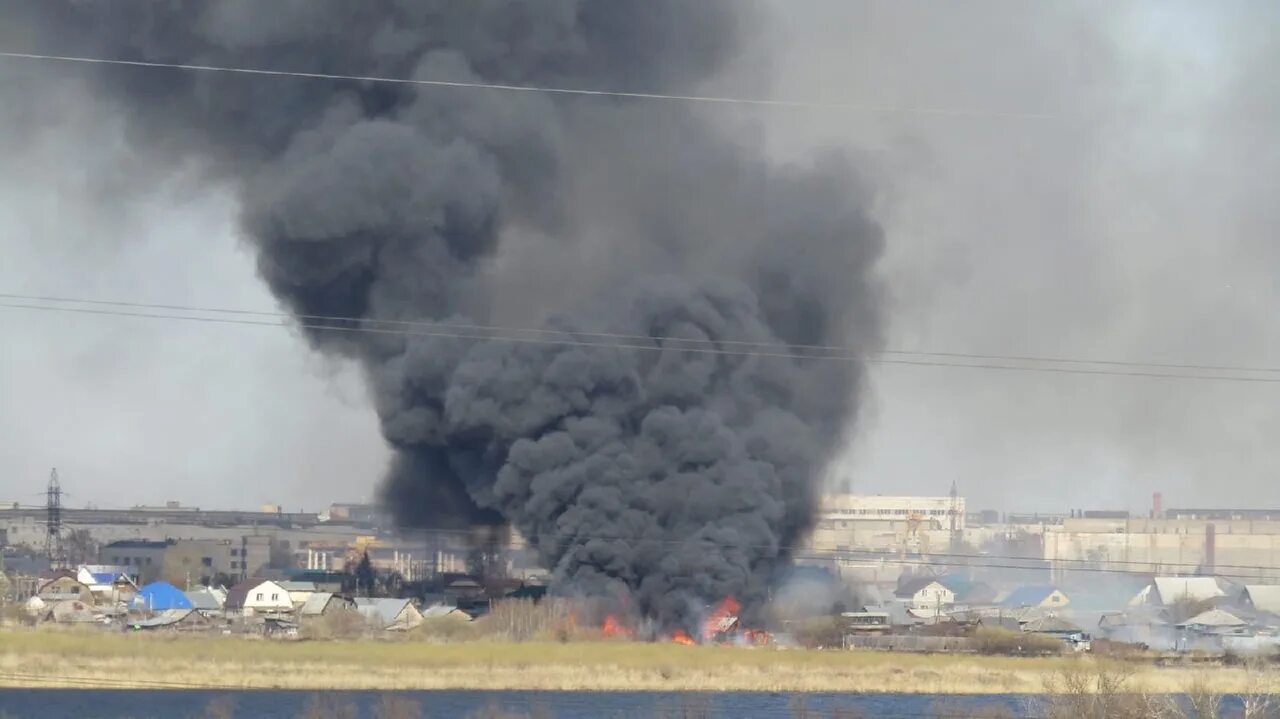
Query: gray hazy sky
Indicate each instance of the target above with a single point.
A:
(1137, 222)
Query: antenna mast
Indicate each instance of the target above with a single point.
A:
(53, 522)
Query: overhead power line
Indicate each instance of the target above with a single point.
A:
(701, 99)
(571, 338)
(546, 331)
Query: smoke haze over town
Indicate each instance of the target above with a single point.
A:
(1062, 181)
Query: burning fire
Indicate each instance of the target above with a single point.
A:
(721, 625)
(614, 628)
(680, 636)
(722, 619)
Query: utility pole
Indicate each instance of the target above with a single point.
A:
(955, 518)
(53, 522)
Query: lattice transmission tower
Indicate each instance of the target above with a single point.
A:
(53, 522)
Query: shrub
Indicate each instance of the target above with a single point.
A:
(524, 619)
(819, 632)
(1100, 690)
(448, 630)
(342, 624)
(993, 640)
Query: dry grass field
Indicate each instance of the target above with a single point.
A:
(93, 659)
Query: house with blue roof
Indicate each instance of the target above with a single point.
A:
(108, 584)
(159, 597)
(1041, 596)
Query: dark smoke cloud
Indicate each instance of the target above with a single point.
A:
(639, 468)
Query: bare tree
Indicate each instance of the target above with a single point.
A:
(81, 547)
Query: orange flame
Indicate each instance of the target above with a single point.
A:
(715, 621)
(680, 636)
(614, 628)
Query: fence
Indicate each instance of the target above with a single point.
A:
(908, 643)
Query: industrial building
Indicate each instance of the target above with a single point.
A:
(1237, 548)
(888, 523)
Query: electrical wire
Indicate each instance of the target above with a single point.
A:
(781, 354)
(830, 349)
(700, 99)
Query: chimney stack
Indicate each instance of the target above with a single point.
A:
(1210, 548)
(1157, 506)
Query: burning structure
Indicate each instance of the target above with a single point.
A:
(660, 436)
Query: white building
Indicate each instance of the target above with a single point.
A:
(926, 594)
(257, 596)
(886, 523)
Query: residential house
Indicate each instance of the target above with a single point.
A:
(462, 590)
(109, 585)
(1042, 596)
(208, 600)
(1140, 625)
(299, 592)
(62, 585)
(69, 611)
(159, 597)
(925, 594)
(322, 603)
(258, 597)
(1214, 621)
(997, 621)
(444, 611)
(173, 619)
(389, 614)
(1165, 591)
(1059, 628)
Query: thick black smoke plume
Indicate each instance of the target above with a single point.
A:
(645, 467)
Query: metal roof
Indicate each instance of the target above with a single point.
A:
(1213, 618)
(237, 594)
(318, 602)
(1030, 595)
(296, 586)
(383, 609)
(911, 586)
(206, 598)
(1050, 625)
(163, 619)
(1172, 589)
(1264, 597)
(442, 611)
(158, 596)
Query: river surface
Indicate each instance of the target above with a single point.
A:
(201, 704)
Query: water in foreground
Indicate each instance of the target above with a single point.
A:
(217, 704)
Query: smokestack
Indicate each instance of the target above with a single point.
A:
(1210, 548)
(663, 436)
(1157, 506)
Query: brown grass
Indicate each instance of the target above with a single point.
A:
(36, 658)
